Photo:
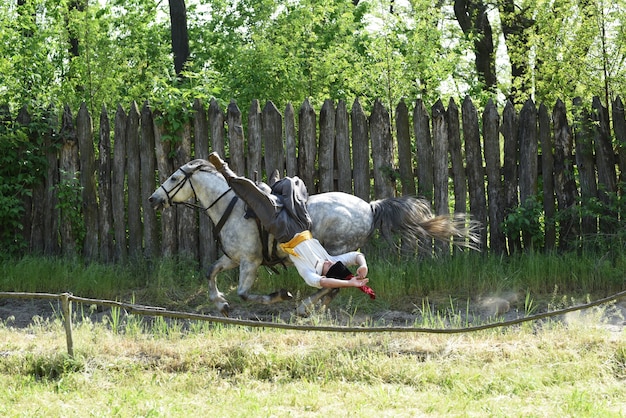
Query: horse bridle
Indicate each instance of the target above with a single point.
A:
(181, 184)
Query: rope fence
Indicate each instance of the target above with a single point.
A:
(67, 298)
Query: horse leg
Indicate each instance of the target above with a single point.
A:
(326, 295)
(247, 276)
(215, 296)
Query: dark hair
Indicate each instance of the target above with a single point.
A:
(338, 271)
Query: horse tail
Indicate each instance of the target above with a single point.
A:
(412, 219)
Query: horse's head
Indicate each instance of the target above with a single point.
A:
(178, 187)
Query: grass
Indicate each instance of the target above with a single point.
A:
(129, 366)
(577, 369)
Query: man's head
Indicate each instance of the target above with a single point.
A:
(335, 270)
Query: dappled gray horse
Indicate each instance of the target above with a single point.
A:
(341, 222)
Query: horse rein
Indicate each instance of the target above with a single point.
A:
(180, 185)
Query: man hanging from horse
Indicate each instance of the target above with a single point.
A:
(282, 212)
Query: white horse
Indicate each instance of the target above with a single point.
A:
(341, 222)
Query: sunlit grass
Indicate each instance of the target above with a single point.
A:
(575, 368)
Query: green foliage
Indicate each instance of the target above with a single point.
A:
(22, 166)
(70, 201)
(526, 222)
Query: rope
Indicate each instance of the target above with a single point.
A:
(154, 311)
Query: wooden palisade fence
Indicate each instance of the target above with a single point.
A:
(493, 164)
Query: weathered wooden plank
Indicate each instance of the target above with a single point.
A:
(491, 137)
(585, 163)
(360, 151)
(405, 154)
(528, 161)
(216, 123)
(605, 163)
(273, 139)
(342, 147)
(69, 166)
(105, 208)
(187, 217)
(564, 180)
(423, 151)
(165, 167)
(307, 145)
(118, 185)
(133, 169)
(84, 132)
(255, 143)
(207, 245)
(235, 139)
(51, 208)
(32, 219)
(382, 152)
(510, 169)
(326, 152)
(291, 157)
(440, 158)
(619, 129)
(459, 179)
(148, 182)
(547, 175)
(200, 130)
(475, 171)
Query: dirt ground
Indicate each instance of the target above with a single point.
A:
(20, 313)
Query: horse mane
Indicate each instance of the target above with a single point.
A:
(200, 164)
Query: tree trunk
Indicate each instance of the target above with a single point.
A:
(180, 36)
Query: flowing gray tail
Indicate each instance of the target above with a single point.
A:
(412, 219)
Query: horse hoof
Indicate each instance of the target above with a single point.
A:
(285, 295)
(225, 311)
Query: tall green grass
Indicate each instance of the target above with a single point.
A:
(397, 280)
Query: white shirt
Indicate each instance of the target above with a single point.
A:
(309, 252)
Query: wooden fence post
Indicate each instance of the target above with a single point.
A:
(133, 167)
(255, 141)
(216, 122)
(307, 145)
(165, 166)
(528, 159)
(273, 139)
(235, 139)
(382, 152)
(547, 175)
(84, 132)
(423, 151)
(360, 151)
(326, 152)
(605, 166)
(105, 209)
(583, 138)
(187, 218)
(118, 190)
(496, 208)
(475, 171)
(148, 183)
(66, 307)
(459, 178)
(342, 148)
(69, 169)
(51, 184)
(207, 246)
(564, 181)
(291, 146)
(405, 155)
(510, 131)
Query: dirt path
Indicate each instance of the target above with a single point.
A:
(20, 313)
